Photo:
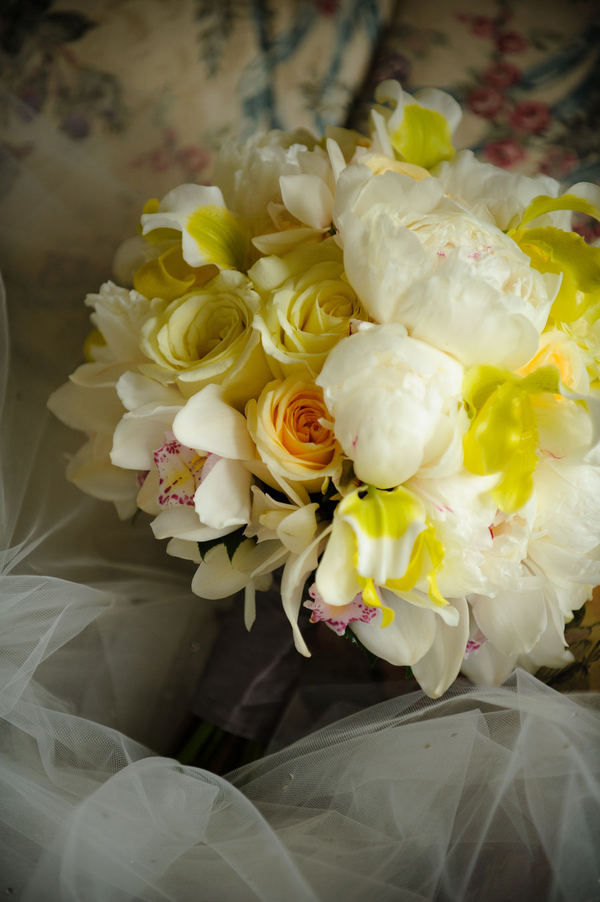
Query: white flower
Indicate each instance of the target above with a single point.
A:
(415, 129)
(493, 194)
(307, 307)
(249, 174)
(395, 402)
(417, 257)
(210, 233)
(419, 639)
(89, 401)
(206, 337)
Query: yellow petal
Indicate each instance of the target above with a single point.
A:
(423, 137)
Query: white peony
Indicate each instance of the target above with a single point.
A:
(395, 403)
(415, 256)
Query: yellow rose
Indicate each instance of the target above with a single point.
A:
(307, 307)
(205, 337)
(288, 426)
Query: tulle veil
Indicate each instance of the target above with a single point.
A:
(486, 794)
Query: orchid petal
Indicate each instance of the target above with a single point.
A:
(513, 620)
(207, 422)
(223, 497)
(308, 198)
(138, 435)
(439, 666)
(406, 639)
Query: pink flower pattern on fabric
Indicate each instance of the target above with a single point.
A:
(179, 472)
(336, 617)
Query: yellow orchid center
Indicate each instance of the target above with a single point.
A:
(169, 276)
(503, 435)
(423, 137)
(552, 250)
(220, 236)
(395, 546)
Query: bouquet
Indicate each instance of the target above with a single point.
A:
(371, 363)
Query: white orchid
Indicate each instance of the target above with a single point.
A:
(415, 129)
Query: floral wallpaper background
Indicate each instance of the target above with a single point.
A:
(104, 103)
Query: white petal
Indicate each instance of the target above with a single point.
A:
(184, 549)
(97, 375)
(223, 497)
(487, 666)
(139, 434)
(136, 390)
(147, 497)
(439, 667)
(91, 470)
(207, 423)
(336, 576)
(406, 639)
(182, 522)
(336, 158)
(514, 620)
(296, 530)
(308, 198)
(88, 409)
(216, 577)
(295, 574)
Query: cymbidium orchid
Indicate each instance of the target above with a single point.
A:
(372, 364)
(210, 233)
(415, 129)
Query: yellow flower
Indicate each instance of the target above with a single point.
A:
(308, 305)
(288, 424)
(206, 336)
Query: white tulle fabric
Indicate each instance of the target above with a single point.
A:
(486, 794)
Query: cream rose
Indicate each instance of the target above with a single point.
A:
(288, 426)
(308, 305)
(205, 337)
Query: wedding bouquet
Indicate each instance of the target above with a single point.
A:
(372, 362)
